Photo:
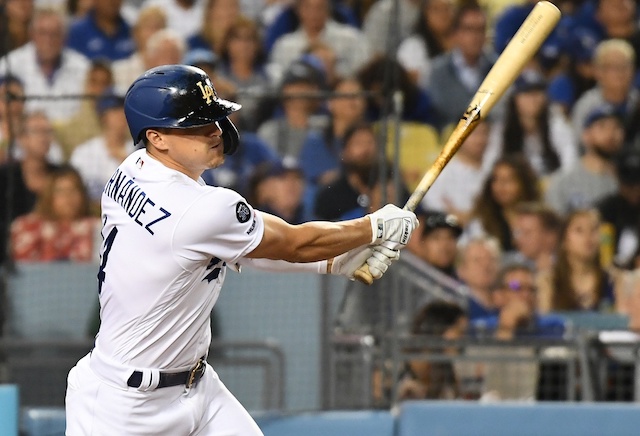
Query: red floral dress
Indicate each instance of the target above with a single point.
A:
(38, 240)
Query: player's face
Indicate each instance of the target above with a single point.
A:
(190, 151)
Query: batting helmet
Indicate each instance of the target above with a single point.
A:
(178, 97)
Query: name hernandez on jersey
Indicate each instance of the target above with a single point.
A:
(128, 194)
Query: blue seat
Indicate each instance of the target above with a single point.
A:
(52, 300)
(449, 418)
(341, 423)
(43, 421)
(9, 400)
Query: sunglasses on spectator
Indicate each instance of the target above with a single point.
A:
(517, 286)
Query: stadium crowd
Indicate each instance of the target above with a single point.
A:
(542, 201)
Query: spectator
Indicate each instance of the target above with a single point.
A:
(511, 182)
(287, 133)
(437, 241)
(431, 38)
(52, 69)
(320, 154)
(11, 112)
(477, 266)
(457, 187)
(98, 158)
(620, 212)
(593, 177)
(532, 129)
(327, 58)
(102, 33)
(278, 190)
(183, 16)
(456, 75)
(243, 65)
(378, 27)
(85, 124)
(352, 189)
(614, 72)
(377, 77)
(61, 226)
(568, 86)
(423, 379)
(18, 17)
(518, 316)
(577, 280)
(40, 135)
(150, 20)
(26, 176)
(210, 63)
(218, 17)
(536, 230)
(280, 17)
(352, 50)
(237, 168)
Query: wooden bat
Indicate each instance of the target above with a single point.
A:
(524, 44)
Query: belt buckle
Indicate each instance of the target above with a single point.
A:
(193, 372)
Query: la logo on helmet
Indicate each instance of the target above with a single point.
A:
(207, 91)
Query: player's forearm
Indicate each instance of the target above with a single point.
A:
(312, 241)
(271, 265)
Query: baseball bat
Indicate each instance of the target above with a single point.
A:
(524, 44)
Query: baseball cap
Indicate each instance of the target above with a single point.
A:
(600, 112)
(628, 166)
(303, 71)
(109, 99)
(200, 56)
(582, 44)
(530, 80)
(439, 220)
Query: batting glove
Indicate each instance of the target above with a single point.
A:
(393, 226)
(377, 257)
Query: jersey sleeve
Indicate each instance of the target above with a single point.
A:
(219, 223)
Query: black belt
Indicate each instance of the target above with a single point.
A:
(187, 378)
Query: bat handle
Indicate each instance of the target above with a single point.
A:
(363, 275)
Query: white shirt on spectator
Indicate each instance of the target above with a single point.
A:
(68, 80)
(187, 22)
(414, 56)
(561, 136)
(457, 186)
(95, 164)
(125, 71)
(376, 23)
(350, 46)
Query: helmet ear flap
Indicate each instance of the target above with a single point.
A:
(230, 136)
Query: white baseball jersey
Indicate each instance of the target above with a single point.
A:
(166, 242)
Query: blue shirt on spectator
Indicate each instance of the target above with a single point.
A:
(317, 157)
(476, 310)
(87, 38)
(541, 327)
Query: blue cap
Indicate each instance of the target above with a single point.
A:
(530, 80)
(582, 45)
(304, 70)
(600, 112)
(200, 56)
(109, 100)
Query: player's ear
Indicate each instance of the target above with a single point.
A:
(156, 139)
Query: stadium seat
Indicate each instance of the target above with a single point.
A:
(43, 421)
(370, 423)
(447, 418)
(9, 410)
(53, 300)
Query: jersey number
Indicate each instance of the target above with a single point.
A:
(105, 255)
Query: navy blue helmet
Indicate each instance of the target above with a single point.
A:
(178, 97)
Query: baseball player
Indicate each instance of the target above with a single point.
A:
(168, 242)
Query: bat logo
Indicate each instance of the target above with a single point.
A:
(472, 114)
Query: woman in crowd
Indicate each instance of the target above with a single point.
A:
(531, 128)
(432, 37)
(218, 17)
(243, 65)
(320, 154)
(60, 227)
(577, 280)
(511, 181)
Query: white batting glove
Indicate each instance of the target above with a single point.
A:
(377, 257)
(393, 226)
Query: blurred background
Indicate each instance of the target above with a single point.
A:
(521, 286)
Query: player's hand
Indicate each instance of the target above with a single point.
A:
(393, 226)
(377, 257)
